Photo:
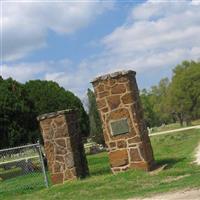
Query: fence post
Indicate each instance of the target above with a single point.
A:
(42, 164)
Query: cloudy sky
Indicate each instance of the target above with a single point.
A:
(72, 42)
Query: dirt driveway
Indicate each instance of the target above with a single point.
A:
(193, 194)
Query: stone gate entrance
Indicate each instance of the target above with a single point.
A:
(125, 133)
(63, 145)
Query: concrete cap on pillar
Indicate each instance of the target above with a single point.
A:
(113, 75)
(54, 114)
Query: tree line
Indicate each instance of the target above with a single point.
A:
(170, 101)
(20, 104)
(175, 100)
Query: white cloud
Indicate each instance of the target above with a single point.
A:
(77, 80)
(195, 2)
(155, 37)
(25, 71)
(158, 9)
(25, 24)
(22, 71)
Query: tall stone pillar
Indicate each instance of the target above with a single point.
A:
(125, 133)
(63, 146)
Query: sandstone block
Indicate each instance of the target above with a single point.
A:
(61, 142)
(104, 110)
(121, 144)
(127, 98)
(134, 155)
(103, 94)
(118, 114)
(112, 144)
(62, 131)
(101, 103)
(112, 82)
(140, 165)
(59, 121)
(100, 88)
(60, 159)
(135, 139)
(57, 178)
(118, 158)
(118, 89)
(113, 101)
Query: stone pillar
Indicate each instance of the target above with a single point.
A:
(124, 130)
(63, 146)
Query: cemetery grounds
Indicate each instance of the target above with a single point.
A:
(176, 149)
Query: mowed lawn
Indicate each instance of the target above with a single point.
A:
(173, 126)
(175, 149)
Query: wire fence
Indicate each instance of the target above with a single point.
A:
(22, 168)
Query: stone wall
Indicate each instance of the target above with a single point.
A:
(63, 146)
(125, 133)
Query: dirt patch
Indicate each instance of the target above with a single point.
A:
(179, 195)
(197, 155)
(158, 170)
(176, 178)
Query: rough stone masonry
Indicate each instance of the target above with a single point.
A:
(63, 145)
(124, 130)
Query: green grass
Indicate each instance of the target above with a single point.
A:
(167, 127)
(196, 122)
(22, 184)
(173, 126)
(176, 150)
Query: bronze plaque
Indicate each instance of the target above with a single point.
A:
(119, 127)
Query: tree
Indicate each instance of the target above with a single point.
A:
(185, 92)
(96, 131)
(48, 96)
(150, 116)
(156, 104)
(159, 96)
(15, 114)
(20, 104)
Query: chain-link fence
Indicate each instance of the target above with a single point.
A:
(22, 168)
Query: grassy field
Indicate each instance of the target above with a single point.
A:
(176, 150)
(196, 122)
(173, 126)
(167, 127)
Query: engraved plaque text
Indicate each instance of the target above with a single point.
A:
(119, 127)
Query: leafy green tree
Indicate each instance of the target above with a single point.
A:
(150, 116)
(159, 99)
(178, 100)
(20, 104)
(48, 96)
(185, 92)
(156, 104)
(15, 114)
(96, 131)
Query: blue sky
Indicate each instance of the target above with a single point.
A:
(72, 42)
(78, 45)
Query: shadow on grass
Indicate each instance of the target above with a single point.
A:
(169, 161)
(16, 172)
(11, 174)
(25, 189)
(100, 171)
